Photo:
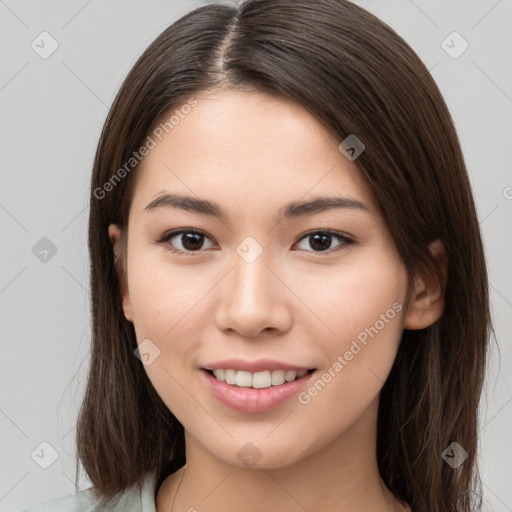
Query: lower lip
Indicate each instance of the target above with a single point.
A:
(252, 400)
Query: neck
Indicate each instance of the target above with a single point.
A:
(340, 476)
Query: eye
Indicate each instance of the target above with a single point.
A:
(321, 240)
(191, 240)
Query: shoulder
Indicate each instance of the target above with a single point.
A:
(140, 496)
(78, 502)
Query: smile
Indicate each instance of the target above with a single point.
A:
(257, 380)
(247, 398)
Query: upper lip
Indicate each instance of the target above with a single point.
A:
(254, 366)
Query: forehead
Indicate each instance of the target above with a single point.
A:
(248, 146)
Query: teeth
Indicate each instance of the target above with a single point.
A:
(244, 379)
(278, 377)
(230, 376)
(257, 380)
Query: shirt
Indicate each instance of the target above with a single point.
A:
(138, 498)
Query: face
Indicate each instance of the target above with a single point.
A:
(314, 287)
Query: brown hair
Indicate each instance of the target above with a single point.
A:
(356, 75)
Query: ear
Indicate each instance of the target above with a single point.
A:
(426, 305)
(114, 234)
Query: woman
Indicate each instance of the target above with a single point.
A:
(289, 292)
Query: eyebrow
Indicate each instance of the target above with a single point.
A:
(290, 210)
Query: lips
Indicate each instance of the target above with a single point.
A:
(250, 400)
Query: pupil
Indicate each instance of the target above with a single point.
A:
(320, 241)
(192, 241)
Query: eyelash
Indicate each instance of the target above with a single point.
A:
(171, 234)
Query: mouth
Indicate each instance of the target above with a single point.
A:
(257, 380)
(258, 395)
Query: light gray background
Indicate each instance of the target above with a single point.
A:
(52, 111)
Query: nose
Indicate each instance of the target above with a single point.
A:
(254, 299)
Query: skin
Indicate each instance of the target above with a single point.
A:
(295, 303)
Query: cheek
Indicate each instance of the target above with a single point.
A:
(162, 294)
(364, 308)
(167, 311)
(352, 299)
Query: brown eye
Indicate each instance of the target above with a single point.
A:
(185, 240)
(320, 241)
(190, 241)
